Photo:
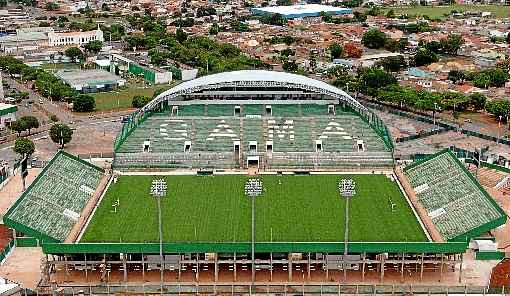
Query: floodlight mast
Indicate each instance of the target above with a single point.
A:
(158, 190)
(347, 189)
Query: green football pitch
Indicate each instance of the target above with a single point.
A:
(290, 209)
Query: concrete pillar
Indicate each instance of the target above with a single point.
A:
(309, 263)
(363, 266)
(441, 268)
(421, 267)
(327, 268)
(198, 269)
(235, 268)
(143, 267)
(179, 266)
(402, 268)
(290, 269)
(382, 267)
(461, 263)
(216, 268)
(86, 270)
(271, 267)
(124, 265)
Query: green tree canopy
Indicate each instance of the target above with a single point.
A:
(424, 57)
(374, 39)
(29, 122)
(24, 147)
(140, 101)
(74, 53)
(336, 50)
(84, 103)
(61, 134)
(94, 46)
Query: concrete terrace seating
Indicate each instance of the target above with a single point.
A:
(289, 134)
(52, 204)
(191, 110)
(455, 203)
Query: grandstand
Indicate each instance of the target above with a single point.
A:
(53, 203)
(231, 120)
(458, 206)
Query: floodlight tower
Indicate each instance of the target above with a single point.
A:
(158, 190)
(347, 189)
(252, 189)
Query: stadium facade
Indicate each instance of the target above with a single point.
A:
(260, 123)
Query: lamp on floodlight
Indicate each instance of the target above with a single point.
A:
(347, 188)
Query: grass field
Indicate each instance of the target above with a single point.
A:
(121, 99)
(440, 11)
(214, 209)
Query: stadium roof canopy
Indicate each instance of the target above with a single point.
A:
(254, 78)
(299, 11)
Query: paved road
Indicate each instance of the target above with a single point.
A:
(64, 116)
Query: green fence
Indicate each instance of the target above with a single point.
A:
(263, 247)
(27, 242)
(493, 255)
(147, 74)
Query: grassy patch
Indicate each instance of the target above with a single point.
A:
(121, 98)
(291, 209)
(440, 11)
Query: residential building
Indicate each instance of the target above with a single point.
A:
(7, 114)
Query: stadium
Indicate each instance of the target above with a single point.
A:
(253, 176)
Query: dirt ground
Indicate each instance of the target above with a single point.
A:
(23, 267)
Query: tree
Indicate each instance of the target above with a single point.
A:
(374, 39)
(215, 29)
(452, 43)
(477, 101)
(393, 63)
(18, 126)
(352, 50)
(482, 80)
(3, 3)
(54, 118)
(434, 46)
(372, 79)
(61, 134)
(84, 103)
(499, 108)
(94, 46)
(336, 50)
(74, 53)
(424, 57)
(456, 76)
(140, 101)
(180, 35)
(30, 122)
(51, 6)
(24, 147)
(290, 66)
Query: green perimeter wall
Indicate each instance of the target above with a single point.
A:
(147, 74)
(467, 236)
(356, 247)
